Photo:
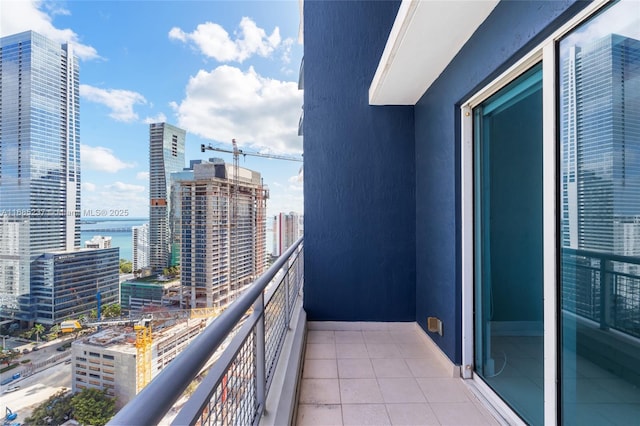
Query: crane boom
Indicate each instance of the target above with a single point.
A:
(237, 151)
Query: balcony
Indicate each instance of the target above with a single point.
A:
(272, 367)
(382, 374)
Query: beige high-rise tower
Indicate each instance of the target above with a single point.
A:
(222, 251)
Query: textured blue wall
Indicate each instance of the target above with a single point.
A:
(512, 29)
(359, 183)
(382, 189)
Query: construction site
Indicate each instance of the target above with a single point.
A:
(124, 355)
(223, 232)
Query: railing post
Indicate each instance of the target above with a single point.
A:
(286, 296)
(606, 295)
(261, 380)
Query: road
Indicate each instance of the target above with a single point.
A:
(35, 389)
(43, 383)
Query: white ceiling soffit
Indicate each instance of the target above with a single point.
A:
(425, 37)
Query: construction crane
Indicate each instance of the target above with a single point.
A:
(237, 152)
(234, 191)
(142, 328)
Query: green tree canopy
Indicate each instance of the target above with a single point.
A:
(111, 311)
(126, 266)
(38, 329)
(55, 410)
(7, 357)
(93, 407)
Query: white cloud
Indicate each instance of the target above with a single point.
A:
(125, 187)
(123, 198)
(286, 51)
(215, 42)
(226, 103)
(88, 186)
(159, 118)
(101, 159)
(142, 175)
(299, 178)
(120, 102)
(284, 200)
(20, 15)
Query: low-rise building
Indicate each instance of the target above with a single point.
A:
(98, 242)
(107, 359)
(65, 284)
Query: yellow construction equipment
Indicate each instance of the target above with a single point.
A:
(143, 353)
(144, 338)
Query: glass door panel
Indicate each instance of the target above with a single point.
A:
(599, 71)
(508, 284)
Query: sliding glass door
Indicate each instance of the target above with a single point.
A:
(508, 283)
(599, 72)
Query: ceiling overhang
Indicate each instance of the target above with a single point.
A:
(425, 37)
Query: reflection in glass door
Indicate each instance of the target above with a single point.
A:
(508, 284)
(599, 72)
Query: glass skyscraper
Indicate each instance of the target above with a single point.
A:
(39, 161)
(166, 155)
(600, 114)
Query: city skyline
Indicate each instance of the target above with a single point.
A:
(163, 71)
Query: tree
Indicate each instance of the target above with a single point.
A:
(125, 266)
(7, 356)
(111, 311)
(55, 410)
(54, 331)
(93, 407)
(38, 329)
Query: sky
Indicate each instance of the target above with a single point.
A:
(218, 69)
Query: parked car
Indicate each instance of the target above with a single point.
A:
(11, 389)
(61, 349)
(25, 351)
(35, 348)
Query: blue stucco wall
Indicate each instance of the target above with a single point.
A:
(511, 30)
(359, 175)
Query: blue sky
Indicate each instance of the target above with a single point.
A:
(218, 69)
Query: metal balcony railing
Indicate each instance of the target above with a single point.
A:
(234, 389)
(602, 287)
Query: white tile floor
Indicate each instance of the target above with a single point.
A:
(381, 374)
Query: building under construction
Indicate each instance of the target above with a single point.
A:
(110, 358)
(223, 232)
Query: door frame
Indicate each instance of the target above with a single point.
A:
(545, 52)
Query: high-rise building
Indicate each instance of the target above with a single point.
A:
(287, 228)
(39, 161)
(140, 246)
(223, 239)
(601, 145)
(174, 211)
(166, 155)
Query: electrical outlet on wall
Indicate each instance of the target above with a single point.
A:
(434, 325)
